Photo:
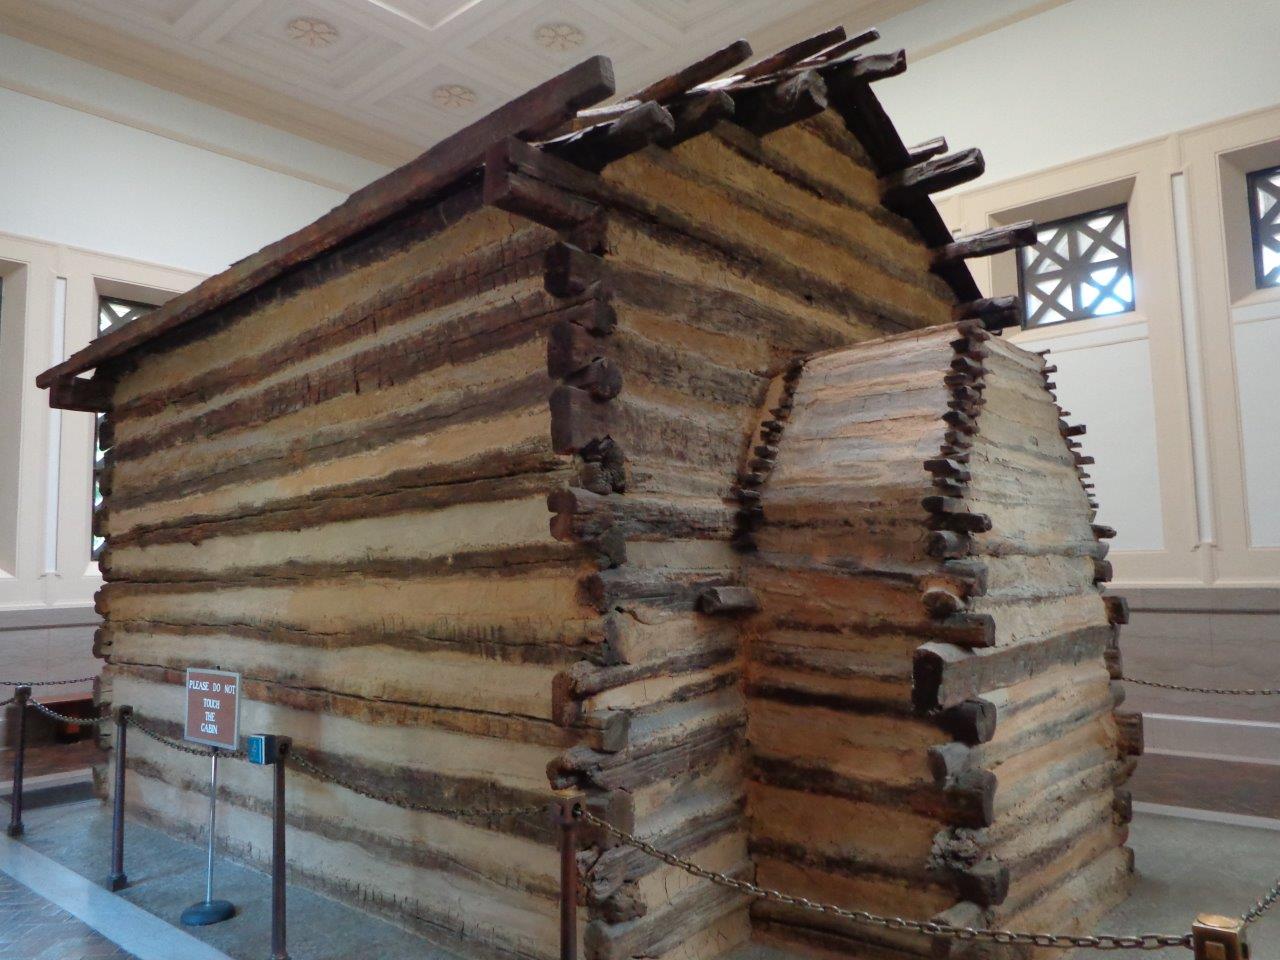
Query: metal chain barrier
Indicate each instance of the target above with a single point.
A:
(1103, 941)
(62, 718)
(44, 683)
(404, 803)
(1225, 691)
(182, 747)
(1265, 903)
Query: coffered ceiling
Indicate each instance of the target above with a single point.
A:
(385, 78)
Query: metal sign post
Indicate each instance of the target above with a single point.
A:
(213, 718)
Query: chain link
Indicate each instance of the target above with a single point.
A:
(404, 803)
(1267, 901)
(1104, 941)
(44, 683)
(62, 718)
(205, 752)
(1225, 691)
(5, 703)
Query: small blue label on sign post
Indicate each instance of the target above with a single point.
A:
(262, 748)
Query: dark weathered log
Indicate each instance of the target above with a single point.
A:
(700, 71)
(1118, 692)
(966, 800)
(878, 66)
(600, 377)
(1115, 663)
(597, 147)
(571, 271)
(946, 675)
(596, 315)
(963, 914)
(987, 243)
(697, 115)
(77, 393)
(1122, 806)
(765, 109)
(941, 603)
(539, 201)
(728, 600)
(541, 109)
(927, 150)
(996, 313)
(1129, 723)
(973, 794)
(793, 54)
(1117, 609)
(578, 421)
(971, 721)
(838, 53)
(1103, 532)
(931, 176)
(985, 883)
(948, 543)
(571, 347)
(969, 629)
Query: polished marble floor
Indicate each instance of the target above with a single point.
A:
(35, 929)
(1184, 867)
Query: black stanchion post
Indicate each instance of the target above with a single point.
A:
(279, 872)
(118, 880)
(20, 698)
(266, 749)
(565, 816)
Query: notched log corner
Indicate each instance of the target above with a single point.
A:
(726, 601)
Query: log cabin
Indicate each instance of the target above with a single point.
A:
(663, 451)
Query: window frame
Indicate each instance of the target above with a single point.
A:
(1132, 303)
(98, 456)
(1250, 178)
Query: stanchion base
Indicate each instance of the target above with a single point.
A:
(117, 881)
(14, 829)
(208, 911)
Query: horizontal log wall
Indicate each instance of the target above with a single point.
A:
(723, 260)
(339, 490)
(930, 712)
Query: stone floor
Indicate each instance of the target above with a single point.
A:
(35, 929)
(167, 875)
(1185, 867)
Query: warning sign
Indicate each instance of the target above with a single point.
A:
(213, 708)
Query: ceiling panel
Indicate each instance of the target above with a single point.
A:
(407, 71)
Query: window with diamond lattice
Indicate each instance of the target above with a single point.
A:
(112, 313)
(1264, 218)
(1078, 267)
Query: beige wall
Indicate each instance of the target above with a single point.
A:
(1179, 395)
(48, 309)
(1182, 403)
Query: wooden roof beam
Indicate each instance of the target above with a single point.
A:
(987, 243)
(932, 176)
(674, 85)
(996, 313)
(598, 146)
(530, 116)
(765, 109)
(927, 150)
(840, 51)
